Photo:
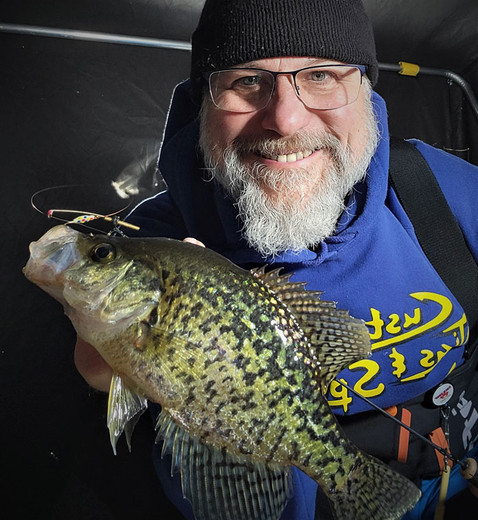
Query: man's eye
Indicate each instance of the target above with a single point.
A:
(248, 81)
(320, 75)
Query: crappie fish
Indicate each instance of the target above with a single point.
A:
(239, 362)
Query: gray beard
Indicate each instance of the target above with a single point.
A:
(302, 212)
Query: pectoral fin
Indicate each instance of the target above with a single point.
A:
(125, 407)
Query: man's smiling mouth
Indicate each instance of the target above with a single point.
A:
(289, 157)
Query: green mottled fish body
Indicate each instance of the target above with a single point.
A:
(238, 360)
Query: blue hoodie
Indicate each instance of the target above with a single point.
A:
(372, 266)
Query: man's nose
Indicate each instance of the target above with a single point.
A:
(285, 114)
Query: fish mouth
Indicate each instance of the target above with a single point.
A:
(51, 255)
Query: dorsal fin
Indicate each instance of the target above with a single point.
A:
(336, 339)
(220, 485)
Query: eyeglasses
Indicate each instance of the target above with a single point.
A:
(322, 87)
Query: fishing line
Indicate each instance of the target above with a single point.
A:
(441, 450)
(468, 466)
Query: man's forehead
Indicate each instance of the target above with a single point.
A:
(287, 62)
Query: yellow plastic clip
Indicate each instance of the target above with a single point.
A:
(408, 69)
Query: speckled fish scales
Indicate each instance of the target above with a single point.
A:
(239, 361)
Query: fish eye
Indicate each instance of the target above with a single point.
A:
(103, 253)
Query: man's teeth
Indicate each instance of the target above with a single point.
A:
(290, 157)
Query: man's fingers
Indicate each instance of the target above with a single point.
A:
(194, 241)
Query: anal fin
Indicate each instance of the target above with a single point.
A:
(220, 485)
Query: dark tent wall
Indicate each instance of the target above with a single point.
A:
(437, 35)
(77, 112)
(71, 112)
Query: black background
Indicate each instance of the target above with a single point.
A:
(76, 112)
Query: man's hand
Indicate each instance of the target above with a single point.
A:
(91, 366)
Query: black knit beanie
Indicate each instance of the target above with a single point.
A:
(231, 32)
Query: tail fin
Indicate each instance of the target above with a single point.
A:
(374, 492)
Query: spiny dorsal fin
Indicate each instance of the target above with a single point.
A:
(281, 285)
(220, 485)
(336, 339)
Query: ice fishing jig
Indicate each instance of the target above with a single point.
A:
(84, 218)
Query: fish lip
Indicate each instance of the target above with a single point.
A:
(51, 255)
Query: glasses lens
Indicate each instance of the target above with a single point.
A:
(241, 90)
(325, 88)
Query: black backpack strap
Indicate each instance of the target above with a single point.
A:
(435, 226)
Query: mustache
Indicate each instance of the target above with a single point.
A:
(284, 145)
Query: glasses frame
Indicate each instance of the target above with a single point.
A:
(207, 77)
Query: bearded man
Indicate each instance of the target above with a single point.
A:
(276, 151)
